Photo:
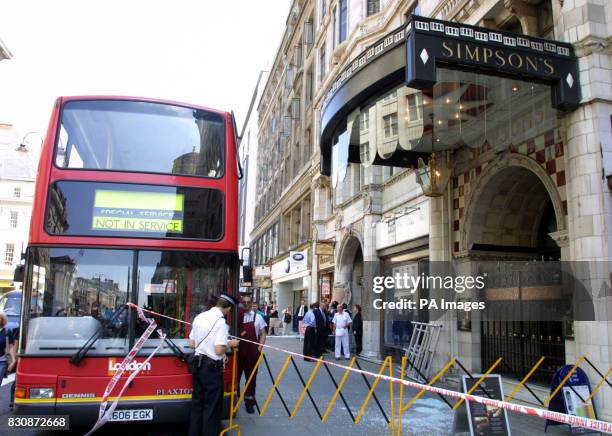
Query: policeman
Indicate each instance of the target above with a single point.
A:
(209, 338)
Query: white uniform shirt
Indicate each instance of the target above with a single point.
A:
(260, 323)
(341, 321)
(202, 324)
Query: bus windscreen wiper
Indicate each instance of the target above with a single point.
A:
(175, 349)
(81, 352)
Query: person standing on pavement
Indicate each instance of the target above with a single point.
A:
(252, 327)
(274, 321)
(299, 315)
(310, 336)
(358, 329)
(320, 329)
(208, 337)
(341, 323)
(323, 332)
(7, 350)
(287, 316)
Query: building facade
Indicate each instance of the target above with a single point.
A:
(17, 179)
(516, 99)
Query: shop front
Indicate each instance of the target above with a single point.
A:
(325, 258)
(476, 113)
(291, 280)
(402, 244)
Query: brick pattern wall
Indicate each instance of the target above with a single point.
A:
(546, 149)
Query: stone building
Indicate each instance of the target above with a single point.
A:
(17, 178)
(514, 100)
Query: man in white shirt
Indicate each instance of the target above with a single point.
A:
(342, 322)
(252, 327)
(209, 338)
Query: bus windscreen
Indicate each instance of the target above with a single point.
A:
(125, 135)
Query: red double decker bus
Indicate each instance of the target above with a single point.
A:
(136, 202)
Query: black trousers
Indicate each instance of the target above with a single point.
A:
(310, 343)
(207, 400)
(358, 342)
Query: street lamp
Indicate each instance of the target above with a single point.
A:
(22, 146)
(433, 176)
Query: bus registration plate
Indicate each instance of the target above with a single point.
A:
(132, 415)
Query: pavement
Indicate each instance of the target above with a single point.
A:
(428, 416)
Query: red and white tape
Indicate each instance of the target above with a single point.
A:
(563, 418)
(104, 414)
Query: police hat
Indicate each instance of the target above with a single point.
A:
(228, 298)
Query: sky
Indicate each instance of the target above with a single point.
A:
(203, 52)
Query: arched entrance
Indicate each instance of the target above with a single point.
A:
(511, 214)
(349, 273)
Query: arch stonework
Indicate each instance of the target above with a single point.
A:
(351, 243)
(493, 168)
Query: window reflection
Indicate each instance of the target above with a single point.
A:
(74, 293)
(180, 285)
(462, 109)
(116, 134)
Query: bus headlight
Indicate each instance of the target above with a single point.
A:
(41, 392)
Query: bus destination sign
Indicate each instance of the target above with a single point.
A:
(148, 212)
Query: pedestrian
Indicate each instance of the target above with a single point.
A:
(332, 312)
(310, 336)
(346, 309)
(287, 316)
(252, 328)
(323, 332)
(358, 329)
(264, 312)
(274, 320)
(320, 329)
(299, 315)
(7, 351)
(342, 322)
(13, 365)
(209, 339)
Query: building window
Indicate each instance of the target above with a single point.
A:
(390, 96)
(17, 192)
(373, 7)
(334, 28)
(364, 120)
(308, 33)
(413, 107)
(343, 20)
(323, 10)
(322, 63)
(13, 219)
(295, 108)
(297, 56)
(9, 253)
(390, 125)
(309, 86)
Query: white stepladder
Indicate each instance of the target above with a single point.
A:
(421, 349)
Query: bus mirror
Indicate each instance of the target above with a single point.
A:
(245, 257)
(247, 274)
(18, 276)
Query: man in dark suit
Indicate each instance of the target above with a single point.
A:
(321, 329)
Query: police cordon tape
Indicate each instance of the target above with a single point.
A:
(104, 414)
(563, 418)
